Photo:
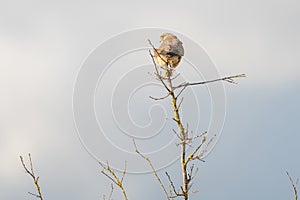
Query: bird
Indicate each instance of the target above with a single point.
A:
(170, 51)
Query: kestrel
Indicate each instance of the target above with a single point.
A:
(170, 51)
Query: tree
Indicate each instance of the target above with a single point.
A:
(166, 76)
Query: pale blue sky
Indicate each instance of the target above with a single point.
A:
(43, 45)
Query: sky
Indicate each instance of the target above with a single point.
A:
(46, 46)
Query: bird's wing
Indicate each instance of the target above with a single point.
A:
(172, 47)
(164, 50)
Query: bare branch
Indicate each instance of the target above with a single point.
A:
(110, 194)
(200, 155)
(192, 155)
(153, 169)
(124, 171)
(173, 187)
(183, 88)
(177, 75)
(192, 173)
(200, 135)
(111, 175)
(183, 136)
(180, 102)
(293, 185)
(160, 98)
(111, 191)
(35, 179)
(228, 79)
(36, 195)
(177, 134)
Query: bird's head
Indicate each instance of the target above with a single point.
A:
(166, 35)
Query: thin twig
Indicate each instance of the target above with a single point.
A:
(173, 186)
(153, 170)
(124, 171)
(35, 179)
(176, 134)
(183, 88)
(293, 185)
(180, 102)
(192, 174)
(200, 155)
(110, 194)
(110, 178)
(159, 98)
(111, 191)
(200, 135)
(228, 79)
(177, 75)
(192, 155)
(111, 175)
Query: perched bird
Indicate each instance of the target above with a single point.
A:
(170, 51)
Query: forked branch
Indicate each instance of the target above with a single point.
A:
(111, 175)
(34, 177)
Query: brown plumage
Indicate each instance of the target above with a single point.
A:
(170, 51)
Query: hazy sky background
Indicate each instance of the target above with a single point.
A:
(43, 44)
